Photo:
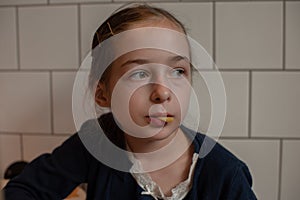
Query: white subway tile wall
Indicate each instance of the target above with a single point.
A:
(249, 35)
(25, 102)
(290, 167)
(262, 157)
(292, 35)
(21, 2)
(197, 19)
(237, 92)
(10, 151)
(46, 32)
(256, 45)
(127, 1)
(8, 39)
(35, 145)
(237, 96)
(62, 86)
(92, 16)
(76, 1)
(275, 110)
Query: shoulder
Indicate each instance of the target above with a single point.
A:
(210, 150)
(216, 156)
(220, 171)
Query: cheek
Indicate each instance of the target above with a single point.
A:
(183, 99)
(138, 107)
(138, 101)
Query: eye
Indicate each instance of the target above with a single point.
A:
(177, 73)
(139, 75)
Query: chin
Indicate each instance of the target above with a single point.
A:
(165, 133)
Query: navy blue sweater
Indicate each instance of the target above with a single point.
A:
(219, 175)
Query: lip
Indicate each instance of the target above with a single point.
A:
(156, 115)
(157, 119)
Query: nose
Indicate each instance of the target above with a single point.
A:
(160, 94)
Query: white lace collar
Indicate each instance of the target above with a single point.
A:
(145, 181)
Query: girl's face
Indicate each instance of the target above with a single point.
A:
(153, 86)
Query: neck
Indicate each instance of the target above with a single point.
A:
(155, 154)
(148, 145)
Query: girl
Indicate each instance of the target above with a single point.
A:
(140, 150)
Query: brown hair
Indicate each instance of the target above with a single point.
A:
(120, 21)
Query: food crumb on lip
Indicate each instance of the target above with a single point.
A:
(166, 119)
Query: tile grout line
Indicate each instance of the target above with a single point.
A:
(18, 39)
(20, 5)
(214, 34)
(280, 169)
(122, 2)
(258, 138)
(221, 70)
(37, 134)
(55, 4)
(41, 70)
(22, 146)
(250, 104)
(79, 34)
(258, 70)
(283, 34)
(51, 103)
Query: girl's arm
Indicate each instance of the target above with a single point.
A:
(241, 185)
(51, 176)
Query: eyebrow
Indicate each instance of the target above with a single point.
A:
(136, 61)
(145, 61)
(179, 58)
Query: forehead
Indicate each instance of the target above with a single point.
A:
(144, 56)
(160, 38)
(142, 38)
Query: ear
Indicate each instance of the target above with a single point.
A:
(102, 95)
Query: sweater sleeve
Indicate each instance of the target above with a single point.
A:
(241, 185)
(51, 176)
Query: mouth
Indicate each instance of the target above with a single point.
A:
(166, 119)
(160, 119)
